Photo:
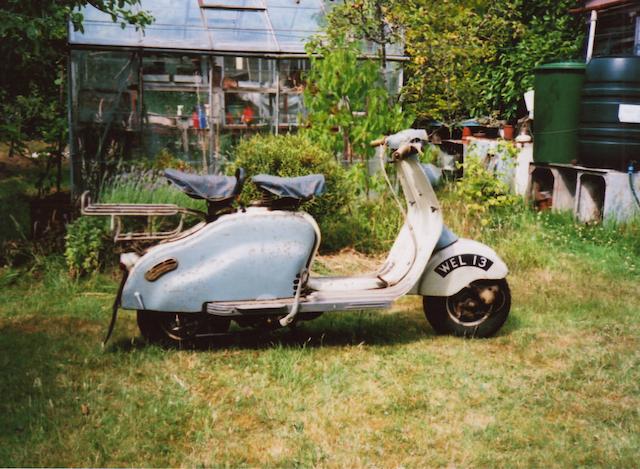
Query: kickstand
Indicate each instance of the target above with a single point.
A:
(114, 308)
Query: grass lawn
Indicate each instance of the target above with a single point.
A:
(559, 386)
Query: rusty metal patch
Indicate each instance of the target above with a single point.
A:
(161, 268)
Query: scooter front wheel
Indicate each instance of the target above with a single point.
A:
(178, 328)
(478, 310)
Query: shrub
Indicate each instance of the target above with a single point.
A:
(295, 155)
(87, 245)
(482, 188)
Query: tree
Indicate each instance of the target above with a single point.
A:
(538, 31)
(33, 73)
(468, 57)
(347, 102)
(372, 21)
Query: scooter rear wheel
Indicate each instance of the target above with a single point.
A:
(178, 328)
(478, 310)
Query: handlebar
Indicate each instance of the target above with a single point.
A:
(406, 149)
(379, 141)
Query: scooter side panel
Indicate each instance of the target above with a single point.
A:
(456, 266)
(243, 256)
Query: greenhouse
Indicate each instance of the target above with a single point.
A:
(201, 76)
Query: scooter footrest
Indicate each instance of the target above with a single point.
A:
(241, 308)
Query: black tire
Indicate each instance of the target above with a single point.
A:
(478, 310)
(178, 329)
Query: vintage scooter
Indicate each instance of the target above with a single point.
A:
(252, 265)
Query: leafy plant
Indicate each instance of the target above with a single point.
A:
(294, 155)
(534, 33)
(347, 102)
(86, 245)
(467, 57)
(372, 219)
(481, 188)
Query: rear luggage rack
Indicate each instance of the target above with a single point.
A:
(116, 211)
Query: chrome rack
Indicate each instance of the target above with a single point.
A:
(117, 211)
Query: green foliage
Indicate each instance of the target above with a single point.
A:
(467, 57)
(33, 87)
(483, 189)
(86, 245)
(371, 222)
(347, 102)
(447, 41)
(535, 33)
(294, 155)
(373, 21)
(14, 209)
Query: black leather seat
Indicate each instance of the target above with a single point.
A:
(212, 188)
(297, 188)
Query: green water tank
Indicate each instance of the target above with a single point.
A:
(556, 108)
(609, 135)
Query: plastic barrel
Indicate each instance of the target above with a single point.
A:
(556, 112)
(609, 135)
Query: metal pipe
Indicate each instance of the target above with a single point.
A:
(592, 34)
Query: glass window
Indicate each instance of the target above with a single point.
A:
(232, 3)
(183, 38)
(105, 32)
(106, 89)
(292, 73)
(616, 31)
(249, 111)
(296, 19)
(313, 4)
(177, 110)
(394, 77)
(105, 114)
(248, 73)
(291, 109)
(240, 30)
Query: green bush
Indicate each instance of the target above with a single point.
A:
(87, 245)
(295, 155)
(482, 188)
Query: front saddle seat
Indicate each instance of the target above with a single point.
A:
(218, 191)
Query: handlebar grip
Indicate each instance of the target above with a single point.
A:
(379, 141)
(403, 150)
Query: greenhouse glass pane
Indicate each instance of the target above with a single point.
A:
(240, 30)
(249, 110)
(169, 12)
(107, 32)
(170, 37)
(233, 3)
(296, 19)
(313, 4)
(177, 114)
(249, 73)
(291, 109)
(236, 19)
(292, 74)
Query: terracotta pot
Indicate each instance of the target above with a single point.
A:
(508, 132)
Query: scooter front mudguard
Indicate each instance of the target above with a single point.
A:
(456, 266)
